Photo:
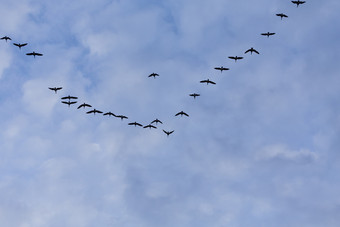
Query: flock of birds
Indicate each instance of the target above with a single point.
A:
(70, 100)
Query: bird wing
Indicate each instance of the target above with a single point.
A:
(52, 88)
(59, 88)
(185, 114)
(232, 57)
(218, 68)
(15, 44)
(239, 57)
(98, 111)
(178, 113)
(72, 102)
(171, 131)
(256, 51)
(212, 82)
(204, 81)
(72, 97)
(29, 54)
(91, 111)
(272, 33)
(80, 106)
(24, 44)
(38, 54)
(65, 102)
(247, 51)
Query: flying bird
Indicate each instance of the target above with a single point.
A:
(156, 121)
(135, 124)
(281, 15)
(168, 132)
(19, 45)
(153, 75)
(109, 113)
(194, 95)
(149, 126)
(34, 54)
(221, 68)
(251, 50)
(121, 117)
(207, 81)
(181, 113)
(69, 97)
(94, 111)
(298, 2)
(235, 58)
(6, 38)
(68, 103)
(55, 89)
(84, 105)
(268, 34)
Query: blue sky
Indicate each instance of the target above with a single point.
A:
(260, 148)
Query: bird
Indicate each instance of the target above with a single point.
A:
(182, 113)
(94, 111)
(109, 113)
(251, 50)
(19, 45)
(121, 117)
(153, 74)
(235, 58)
(135, 124)
(268, 34)
(168, 132)
(194, 95)
(221, 68)
(68, 103)
(149, 126)
(281, 15)
(298, 2)
(55, 89)
(34, 54)
(207, 81)
(6, 38)
(156, 121)
(69, 97)
(84, 105)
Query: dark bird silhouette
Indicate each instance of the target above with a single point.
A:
(156, 121)
(149, 126)
(68, 103)
(168, 132)
(235, 58)
(207, 81)
(55, 89)
(251, 50)
(121, 117)
(19, 45)
(69, 97)
(182, 113)
(6, 38)
(84, 105)
(281, 15)
(153, 75)
(135, 124)
(109, 113)
(298, 2)
(34, 54)
(94, 111)
(194, 95)
(221, 68)
(268, 34)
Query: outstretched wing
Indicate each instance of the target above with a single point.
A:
(185, 114)
(204, 81)
(211, 82)
(52, 88)
(231, 57)
(91, 111)
(256, 51)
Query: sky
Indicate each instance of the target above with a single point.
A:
(260, 148)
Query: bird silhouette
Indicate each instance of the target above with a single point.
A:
(182, 113)
(34, 54)
(153, 75)
(221, 68)
(235, 58)
(68, 103)
(109, 113)
(55, 89)
(121, 117)
(135, 124)
(298, 2)
(268, 34)
(168, 132)
(207, 81)
(84, 105)
(156, 121)
(251, 50)
(69, 97)
(194, 95)
(6, 38)
(19, 45)
(281, 15)
(149, 126)
(94, 111)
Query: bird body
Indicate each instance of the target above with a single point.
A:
(281, 15)
(121, 117)
(135, 124)
(298, 2)
(149, 126)
(194, 95)
(84, 105)
(6, 38)
(207, 81)
(19, 45)
(34, 54)
(182, 113)
(235, 58)
(268, 34)
(68, 103)
(221, 68)
(69, 97)
(94, 111)
(153, 75)
(55, 89)
(109, 113)
(251, 50)
(168, 132)
(156, 121)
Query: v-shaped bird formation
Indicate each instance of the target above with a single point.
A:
(71, 100)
